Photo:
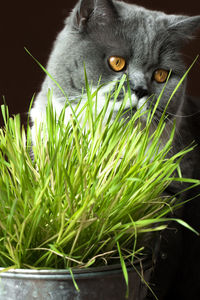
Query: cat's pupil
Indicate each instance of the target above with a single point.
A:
(118, 62)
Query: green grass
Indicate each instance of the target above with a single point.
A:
(92, 191)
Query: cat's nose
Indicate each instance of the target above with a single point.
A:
(140, 92)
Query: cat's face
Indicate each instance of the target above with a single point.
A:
(115, 38)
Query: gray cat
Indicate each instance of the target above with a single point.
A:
(113, 38)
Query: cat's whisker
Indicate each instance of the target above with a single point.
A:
(64, 99)
(179, 115)
(191, 58)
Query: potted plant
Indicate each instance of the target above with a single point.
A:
(80, 207)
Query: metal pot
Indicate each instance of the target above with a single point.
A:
(103, 283)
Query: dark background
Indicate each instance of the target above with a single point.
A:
(35, 25)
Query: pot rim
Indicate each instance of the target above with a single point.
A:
(62, 274)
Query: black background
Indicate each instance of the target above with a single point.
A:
(35, 25)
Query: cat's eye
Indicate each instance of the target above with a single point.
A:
(160, 75)
(117, 63)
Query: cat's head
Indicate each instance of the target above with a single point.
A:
(113, 38)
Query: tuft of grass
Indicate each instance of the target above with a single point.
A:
(90, 192)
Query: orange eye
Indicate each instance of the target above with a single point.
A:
(117, 63)
(160, 75)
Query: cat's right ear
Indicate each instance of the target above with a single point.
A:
(89, 13)
(182, 28)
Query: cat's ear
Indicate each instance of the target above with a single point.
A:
(88, 13)
(183, 28)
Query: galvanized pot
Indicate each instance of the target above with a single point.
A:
(103, 283)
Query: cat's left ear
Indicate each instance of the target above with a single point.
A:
(183, 28)
(89, 13)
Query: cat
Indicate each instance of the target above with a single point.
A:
(97, 32)
(112, 38)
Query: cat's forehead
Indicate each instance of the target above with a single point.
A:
(139, 34)
(139, 15)
(142, 25)
(143, 34)
(135, 25)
